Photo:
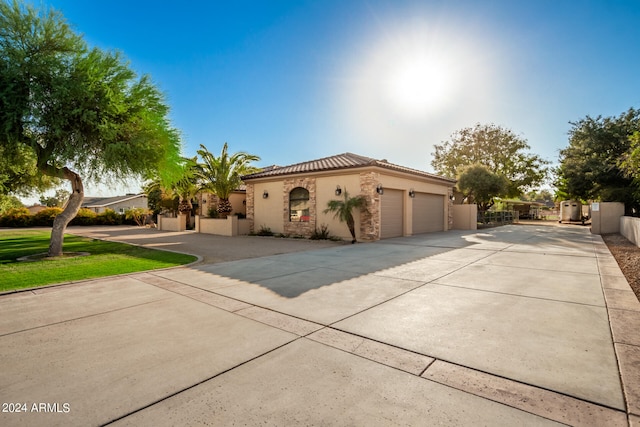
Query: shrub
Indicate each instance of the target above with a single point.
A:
(213, 212)
(109, 217)
(138, 215)
(46, 216)
(16, 217)
(264, 231)
(322, 234)
(85, 217)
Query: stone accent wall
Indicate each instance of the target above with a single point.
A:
(299, 228)
(370, 220)
(251, 206)
(450, 208)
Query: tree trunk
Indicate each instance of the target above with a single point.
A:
(352, 228)
(70, 211)
(185, 207)
(224, 207)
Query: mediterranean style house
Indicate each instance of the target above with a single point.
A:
(400, 201)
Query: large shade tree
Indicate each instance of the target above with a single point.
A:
(598, 163)
(76, 113)
(480, 185)
(497, 148)
(222, 174)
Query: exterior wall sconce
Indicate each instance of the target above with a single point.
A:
(452, 197)
(412, 193)
(338, 190)
(204, 201)
(265, 194)
(379, 189)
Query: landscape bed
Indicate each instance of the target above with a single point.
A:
(627, 256)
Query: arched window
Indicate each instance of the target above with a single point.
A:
(299, 205)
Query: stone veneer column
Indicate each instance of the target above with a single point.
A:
(370, 220)
(450, 208)
(250, 206)
(299, 228)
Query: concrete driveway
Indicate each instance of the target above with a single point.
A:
(517, 325)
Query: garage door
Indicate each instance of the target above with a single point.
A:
(428, 213)
(392, 214)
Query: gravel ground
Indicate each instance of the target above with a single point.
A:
(628, 257)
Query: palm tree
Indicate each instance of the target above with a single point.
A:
(187, 186)
(342, 210)
(221, 175)
(184, 186)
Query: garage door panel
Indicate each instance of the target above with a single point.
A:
(392, 214)
(428, 213)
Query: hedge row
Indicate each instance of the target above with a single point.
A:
(20, 217)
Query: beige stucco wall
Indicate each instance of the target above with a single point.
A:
(230, 226)
(273, 212)
(465, 217)
(405, 184)
(172, 224)
(630, 228)
(326, 191)
(237, 200)
(606, 218)
(267, 212)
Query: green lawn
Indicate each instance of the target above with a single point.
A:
(106, 259)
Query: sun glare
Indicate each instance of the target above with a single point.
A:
(410, 79)
(417, 86)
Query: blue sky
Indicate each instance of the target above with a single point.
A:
(297, 80)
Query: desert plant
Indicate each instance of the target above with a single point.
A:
(321, 234)
(139, 215)
(342, 210)
(265, 231)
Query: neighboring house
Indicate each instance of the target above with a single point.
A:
(400, 201)
(119, 203)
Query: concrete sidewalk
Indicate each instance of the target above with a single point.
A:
(517, 325)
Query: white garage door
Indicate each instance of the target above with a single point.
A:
(428, 213)
(392, 214)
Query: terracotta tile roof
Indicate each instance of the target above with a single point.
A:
(339, 161)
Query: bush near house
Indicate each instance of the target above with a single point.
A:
(21, 217)
(139, 215)
(45, 217)
(109, 217)
(321, 234)
(16, 217)
(85, 217)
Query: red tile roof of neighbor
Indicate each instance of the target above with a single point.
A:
(339, 161)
